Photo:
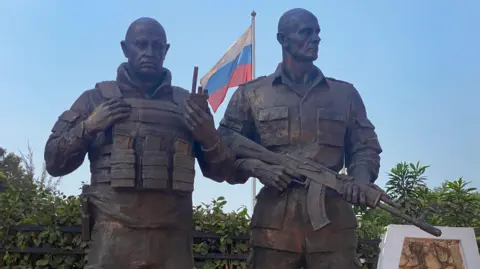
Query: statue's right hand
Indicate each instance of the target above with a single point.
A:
(269, 175)
(106, 114)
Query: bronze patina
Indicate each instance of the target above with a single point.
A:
(141, 135)
(299, 111)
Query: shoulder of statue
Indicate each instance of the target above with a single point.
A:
(108, 89)
(334, 80)
(340, 84)
(254, 83)
(179, 92)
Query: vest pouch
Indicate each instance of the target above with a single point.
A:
(100, 164)
(155, 169)
(122, 173)
(155, 163)
(183, 167)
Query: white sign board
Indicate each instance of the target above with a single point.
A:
(456, 246)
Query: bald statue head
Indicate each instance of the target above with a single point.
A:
(298, 34)
(145, 46)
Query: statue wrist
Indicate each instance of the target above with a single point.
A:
(250, 166)
(210, 145)
(361, 174)
(87, 131)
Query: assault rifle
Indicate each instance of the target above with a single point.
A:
(318, 178)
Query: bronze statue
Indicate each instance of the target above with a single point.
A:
(141, 135)
(298, 111)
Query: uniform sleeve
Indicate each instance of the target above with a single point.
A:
(363, 149)
(68, 143)
(238, 119)
(217, 163)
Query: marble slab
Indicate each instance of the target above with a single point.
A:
(408, 247)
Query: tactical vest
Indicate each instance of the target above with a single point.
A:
(152, 149)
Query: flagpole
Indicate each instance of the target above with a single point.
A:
(254, 180)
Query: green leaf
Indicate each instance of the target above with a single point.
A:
(42, 262)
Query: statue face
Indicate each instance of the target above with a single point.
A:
(145, 48)
(302, 39)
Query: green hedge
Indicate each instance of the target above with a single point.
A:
(38, 206)
(32, 204)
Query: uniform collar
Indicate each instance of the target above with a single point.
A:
(279, 76)
(130, 83)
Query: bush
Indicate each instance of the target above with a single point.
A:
(232, 227)
(43, 207)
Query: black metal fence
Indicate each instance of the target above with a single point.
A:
(198, 237)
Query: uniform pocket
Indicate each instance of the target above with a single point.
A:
(331, 127)
(274, 126)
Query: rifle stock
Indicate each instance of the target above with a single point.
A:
(318, 177)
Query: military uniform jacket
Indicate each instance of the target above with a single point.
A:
(326, 123)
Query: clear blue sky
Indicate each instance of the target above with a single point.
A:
(414, 63)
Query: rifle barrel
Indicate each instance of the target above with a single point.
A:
(420, 224)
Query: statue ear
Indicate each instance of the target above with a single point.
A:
(166, 50)
(124, 48)
(282, 39)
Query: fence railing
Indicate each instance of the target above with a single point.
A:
(370, 262)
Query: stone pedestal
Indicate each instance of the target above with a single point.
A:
(407, 247)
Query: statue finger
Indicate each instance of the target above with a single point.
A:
(285, 178)
(190, 122)
(276, 167)
(344, 190)
(196, 108)
(192, 118)
(348, 193)
(355, 194)
(117, 104)
(209, 112)
(363, 200)
(206, 113)
(111, 101)
(292, 173)
(121, 116)
(188, 108)
(189, 125)
(204, 117)
(120, 110)
(268, 181)
(277, 184)
(280, 181)
(190, 112)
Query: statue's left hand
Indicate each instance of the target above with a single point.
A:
(200, 123)
(353, 192)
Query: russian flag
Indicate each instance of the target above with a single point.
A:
(233, 69)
